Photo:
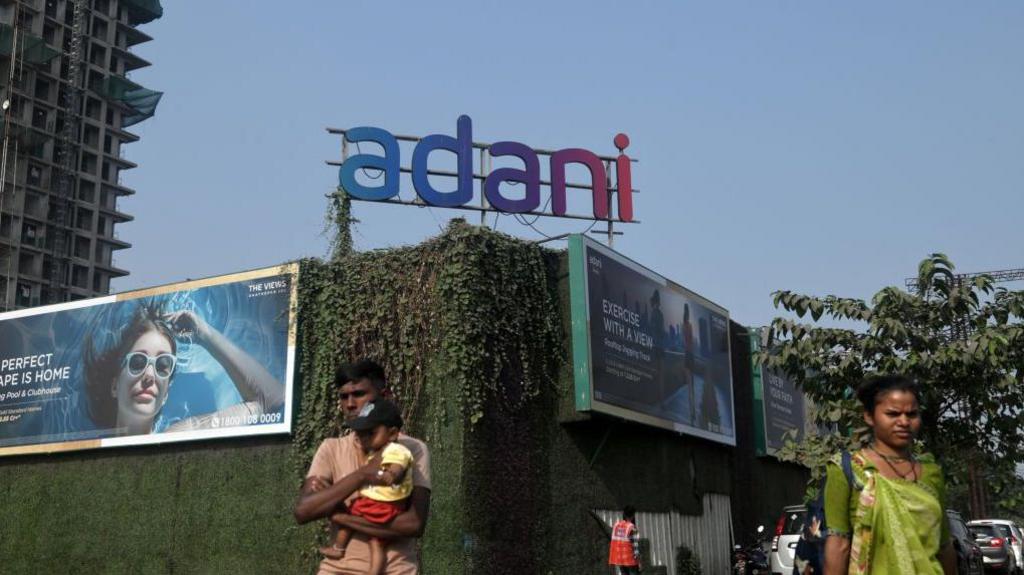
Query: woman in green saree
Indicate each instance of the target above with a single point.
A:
(891, 520)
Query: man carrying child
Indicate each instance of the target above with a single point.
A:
(340, 470)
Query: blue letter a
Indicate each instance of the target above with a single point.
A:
(389, 163)
(462, 146)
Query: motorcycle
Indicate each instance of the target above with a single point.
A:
(752, 559)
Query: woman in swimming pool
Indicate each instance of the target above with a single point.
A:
(128, 383)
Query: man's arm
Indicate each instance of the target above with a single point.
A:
(409, 523)
(319, 499)
(837, 555)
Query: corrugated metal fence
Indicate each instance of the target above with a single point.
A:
(709, 535)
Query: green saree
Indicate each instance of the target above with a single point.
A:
(895, 526)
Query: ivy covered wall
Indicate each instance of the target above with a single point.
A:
(211, 507)
(467, 328)
(472, 329)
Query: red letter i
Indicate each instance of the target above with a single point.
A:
(623, 184)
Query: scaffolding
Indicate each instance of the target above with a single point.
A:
(67, 157)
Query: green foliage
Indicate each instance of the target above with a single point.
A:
(463, 321)
(211, 507)
(817, 448)
(687, 562)
(340, 220)
(1006, 490)
(963, 341)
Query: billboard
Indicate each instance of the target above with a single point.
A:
(779, 406)
(200, 359)
(646, 348)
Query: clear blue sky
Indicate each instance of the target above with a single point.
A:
(822, 147)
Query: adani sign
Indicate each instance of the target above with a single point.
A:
(389, 164)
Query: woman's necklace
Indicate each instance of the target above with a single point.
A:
(889, 459)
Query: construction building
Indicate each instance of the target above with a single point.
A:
(67, 102)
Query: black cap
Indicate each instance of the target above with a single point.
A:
(377, 412)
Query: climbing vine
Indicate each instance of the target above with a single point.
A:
(463, 320)
(339, 221)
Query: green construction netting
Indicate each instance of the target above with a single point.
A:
(142, 11)
(141, 101)
(115, 87)
(143, 104)
(32, 48)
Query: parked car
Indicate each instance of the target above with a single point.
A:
(787, 533)
(1011, 533)
(968, 555)
(996, 550)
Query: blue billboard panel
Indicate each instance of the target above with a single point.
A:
(200, 359)
(648, 349)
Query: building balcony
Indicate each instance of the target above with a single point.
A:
(116, 216)
(111, 270)
(132, 36)
(131, 60)
(125, 136)
(115, 243)
(120, 162)
(118, 189)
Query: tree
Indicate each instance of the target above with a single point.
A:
(963, 341)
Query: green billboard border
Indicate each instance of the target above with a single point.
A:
(580, 323)
(756, 380)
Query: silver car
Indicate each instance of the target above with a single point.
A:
(1011, 534)
(995, 549)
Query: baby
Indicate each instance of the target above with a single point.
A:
(387, 494)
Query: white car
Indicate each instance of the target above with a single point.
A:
(1013, 536)
(787, 534)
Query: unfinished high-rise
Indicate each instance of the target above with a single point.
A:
(67, 102)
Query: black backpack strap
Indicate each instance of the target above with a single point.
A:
(847, 465)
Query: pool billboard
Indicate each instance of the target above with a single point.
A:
(209, 358)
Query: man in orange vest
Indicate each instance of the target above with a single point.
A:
(624, 550)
